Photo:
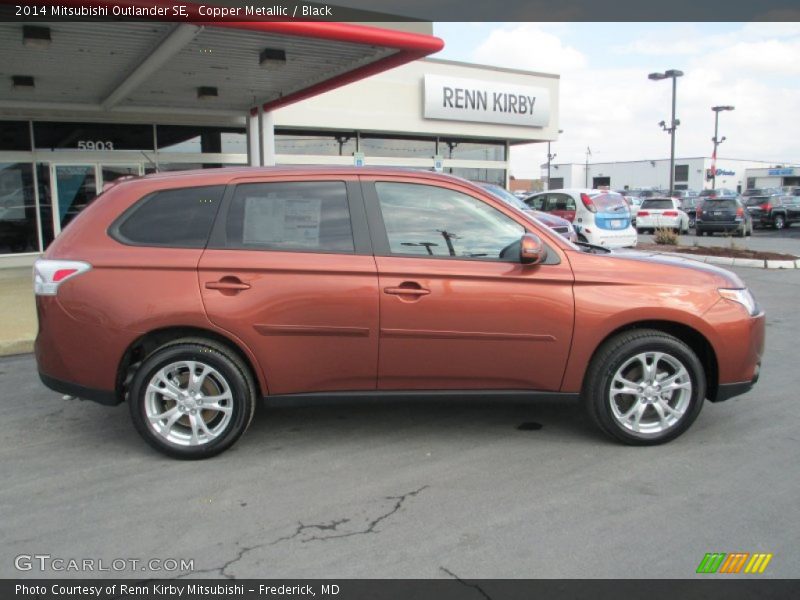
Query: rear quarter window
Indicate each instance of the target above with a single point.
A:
(176, 218)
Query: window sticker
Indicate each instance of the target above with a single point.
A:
(273, 220)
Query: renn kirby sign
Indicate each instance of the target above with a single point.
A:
(457, 99)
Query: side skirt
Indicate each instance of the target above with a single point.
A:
(418, 397)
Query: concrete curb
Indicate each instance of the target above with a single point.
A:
(12, 347)
(757, 263)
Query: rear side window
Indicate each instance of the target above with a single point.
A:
(178, 218)
(290, 216)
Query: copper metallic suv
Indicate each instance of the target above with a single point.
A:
(191, 296)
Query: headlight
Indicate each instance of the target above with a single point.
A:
(743, 297)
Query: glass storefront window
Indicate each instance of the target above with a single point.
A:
(94, 137)
(76, 187)
(497, 176)
(309, 142)
(15, 135)
(472, 149)
(197, 139)
(18, 219)
(45, 203)
(396, 146)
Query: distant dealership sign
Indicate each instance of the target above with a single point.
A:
(781, 172)
(457, 99)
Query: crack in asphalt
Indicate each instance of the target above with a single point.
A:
(474, 586)
(371, 527)
(301, 527)
(222, 571)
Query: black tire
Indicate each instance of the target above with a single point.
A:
(778, 222)
(699, 232)
(227, 364)
(613, 355)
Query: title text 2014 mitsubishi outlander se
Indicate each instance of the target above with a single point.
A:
(190, 296)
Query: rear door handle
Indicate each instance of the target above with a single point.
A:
(228, 283)
(407, 291)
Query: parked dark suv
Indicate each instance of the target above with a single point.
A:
(190, 296)
(774, 211)
(723, 215)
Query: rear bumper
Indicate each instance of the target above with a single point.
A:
(718, 225)
(625, 238)
(107, 398)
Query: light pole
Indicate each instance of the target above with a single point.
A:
(550, 158)
(717, 142)
(671, 74)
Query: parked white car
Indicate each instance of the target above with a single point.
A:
(657, 213)
(600, 217)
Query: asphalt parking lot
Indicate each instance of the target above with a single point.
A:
(428, 491)
(764, 239)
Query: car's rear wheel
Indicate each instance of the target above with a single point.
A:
(644, 387)
(779, 222)
(192, 398)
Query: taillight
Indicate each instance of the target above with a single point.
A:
(766, 206)
(587, 202)
(739, 211)
(670, 213)
(49, 274)
(642, 213)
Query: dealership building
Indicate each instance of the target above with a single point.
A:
(94, 102)
(690, 174)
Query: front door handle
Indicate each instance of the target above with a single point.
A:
(407, 288)
(231, 284)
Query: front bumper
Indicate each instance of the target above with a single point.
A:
(726, 391)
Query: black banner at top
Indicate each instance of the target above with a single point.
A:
(403, 10)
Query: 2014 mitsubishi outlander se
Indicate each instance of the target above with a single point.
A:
(190, 296)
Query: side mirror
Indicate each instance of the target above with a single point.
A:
(532, 250)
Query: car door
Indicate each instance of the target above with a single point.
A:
(289, 271)
(455, 314)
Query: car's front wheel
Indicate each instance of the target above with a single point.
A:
(192, 398)
(644, 387)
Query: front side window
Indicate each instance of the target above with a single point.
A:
(538, 202)
(424, 220)
(291, 216)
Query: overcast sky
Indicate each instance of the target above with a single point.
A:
(608, 104)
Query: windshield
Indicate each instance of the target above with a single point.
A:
(660, 203)
(610, 202)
